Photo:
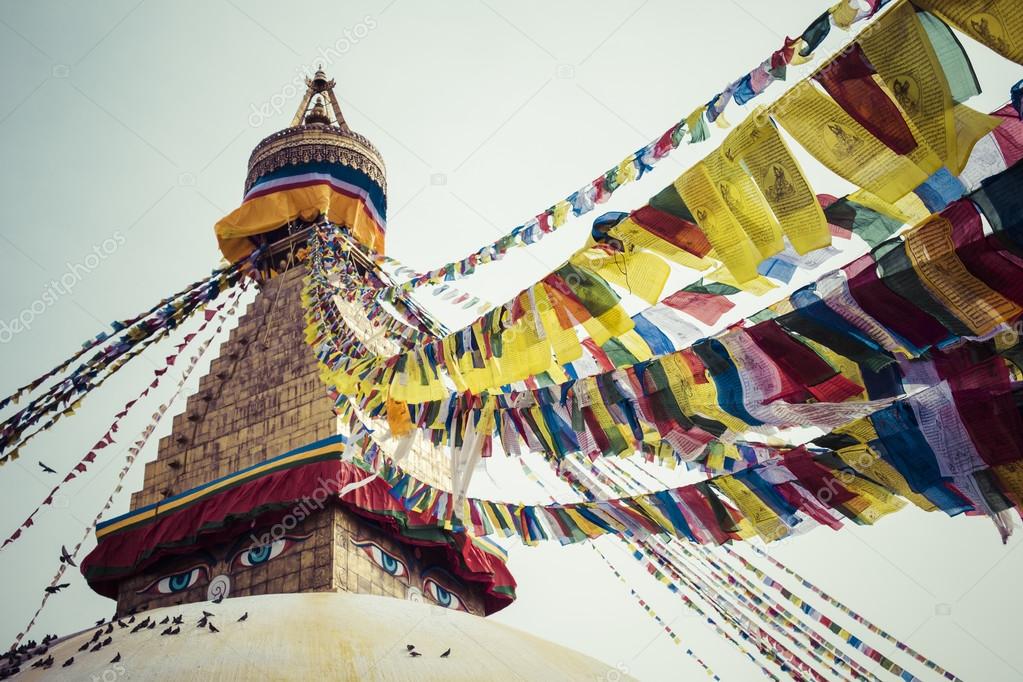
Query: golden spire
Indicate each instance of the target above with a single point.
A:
(308, 112)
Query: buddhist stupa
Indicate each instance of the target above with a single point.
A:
(256, 549)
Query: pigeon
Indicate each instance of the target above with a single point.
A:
(177, 620)
(152, 625)
(212, 629)
(202, 622)
(44, 662)
(68, 662)
(46, 469)
(54, 589)
(110, 628)
(207, 614)
(165, 620)
(107, 641)
(218, 599)
(132, 619)
(414, 654)
(95, 635)
(410, 647)
(65, 558)
(117, 658)
(171, 631)
(245, 616)
(100, 621)
(121, 624)
(96, 647)
(446, 654)
(84, 646)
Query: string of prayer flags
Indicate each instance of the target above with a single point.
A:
(633, 167)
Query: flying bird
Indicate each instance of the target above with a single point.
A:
(117, 658)
(66, 558)
(54, 589)
(245, 616)
(46, 469)
(446, 654)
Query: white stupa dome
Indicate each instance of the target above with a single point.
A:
(310, 636)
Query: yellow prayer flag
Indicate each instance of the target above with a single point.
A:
(731, 244)
(839, 142)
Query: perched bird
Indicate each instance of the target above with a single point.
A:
(218, 599)
(207, 614)
(151, 625)
(44, 662)
(54, 589)
(68, 662)
(202, 622)
(96, 647)
(446, 654)
(107, 641)
(212, 629)
(132, 619)
(245, 616)
(117, 658)
(46, 469)
(84, 646)
(110, 628)
(66, 558)
(177, 620)
(100, 621)
(95, 635)
(171, 631)
(410, 647)
(414, 654)
(165, 620)
(121, 624)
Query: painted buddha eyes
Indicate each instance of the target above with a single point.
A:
(384, 559)
(443, 596)
(261, 553)
(177, 582)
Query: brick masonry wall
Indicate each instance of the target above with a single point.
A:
(261, 398)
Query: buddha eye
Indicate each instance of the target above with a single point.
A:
(177, 582)
(384, 559)
(443, 596)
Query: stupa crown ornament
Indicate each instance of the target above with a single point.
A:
(318, 133)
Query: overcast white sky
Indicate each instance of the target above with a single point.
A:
(135, 119)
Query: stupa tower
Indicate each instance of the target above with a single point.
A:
(262, 397)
